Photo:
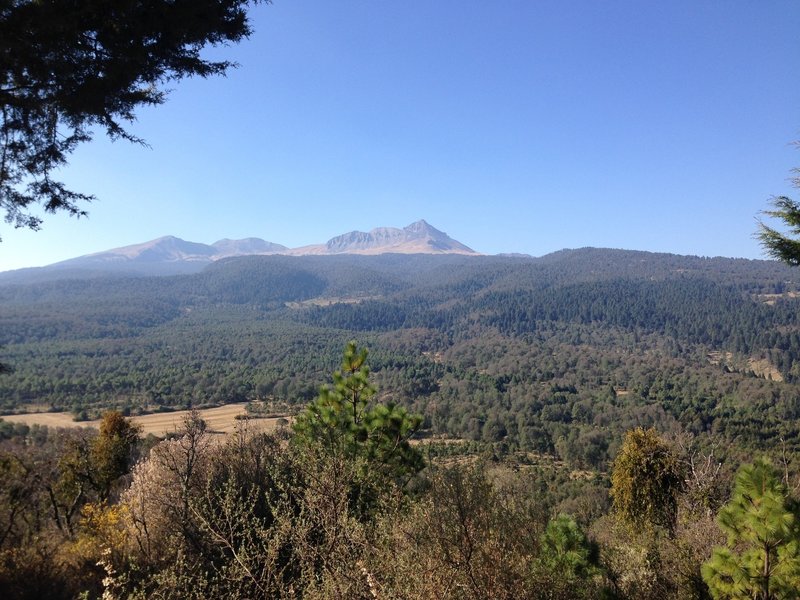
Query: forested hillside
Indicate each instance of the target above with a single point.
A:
(579, 420)
(560, 354)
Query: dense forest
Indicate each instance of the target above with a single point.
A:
(560, 354)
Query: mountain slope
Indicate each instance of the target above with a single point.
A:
(417, 238)
(163, 249)
(247, 246)
(170, 255)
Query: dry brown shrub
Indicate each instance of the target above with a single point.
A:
(160, 495)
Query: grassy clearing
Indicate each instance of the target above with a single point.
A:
(220, 420)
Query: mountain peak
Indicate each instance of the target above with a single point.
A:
(165, 248)
(418, 238)
(420, 226)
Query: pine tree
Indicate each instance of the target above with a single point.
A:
(762, 559)
(343, 422)
(783, 246)
(335, 419)
(565, 552)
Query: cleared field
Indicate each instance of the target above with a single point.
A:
(220, 420)
(49, 419)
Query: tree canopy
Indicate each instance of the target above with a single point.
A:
(344, 422)
(762, 559)
(646, 480)
(783, 246)
(779, 245)
(69, 67)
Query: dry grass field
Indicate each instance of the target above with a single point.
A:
(220, 420)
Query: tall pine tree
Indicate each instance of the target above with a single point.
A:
(343, 423)
(762, 558)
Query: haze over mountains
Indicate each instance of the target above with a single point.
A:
(172, 255)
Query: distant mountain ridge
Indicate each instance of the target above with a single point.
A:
(171, 255)
(163, 249)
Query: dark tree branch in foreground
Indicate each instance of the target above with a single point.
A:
(68, 68)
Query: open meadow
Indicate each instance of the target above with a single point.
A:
(221, 420)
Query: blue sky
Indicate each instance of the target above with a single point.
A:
(514, 126)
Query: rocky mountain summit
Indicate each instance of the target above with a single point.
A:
(417, 238)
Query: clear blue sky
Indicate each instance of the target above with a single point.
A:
(513, 125)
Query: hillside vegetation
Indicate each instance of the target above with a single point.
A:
(560, 354)
(585, 425)
(344, 506)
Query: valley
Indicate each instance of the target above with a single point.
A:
(489, 405)
(559, 354)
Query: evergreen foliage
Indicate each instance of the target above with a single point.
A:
(68, 68)
(783, 246)
(343, 422)
(558, 355)
(565, 549)
(762, 558)
(566, 553)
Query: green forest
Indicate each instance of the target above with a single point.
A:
(561, 354)
(589, 424)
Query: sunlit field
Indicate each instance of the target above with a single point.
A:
(220, 420)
